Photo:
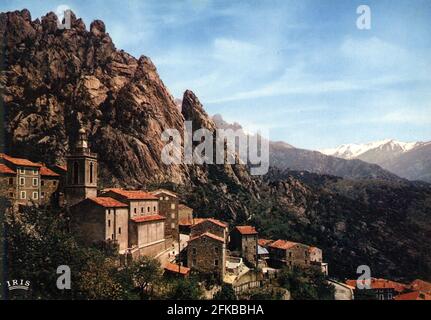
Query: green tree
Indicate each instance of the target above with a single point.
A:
(225, 293)
(184, 289)
(306, 284)
(38, 241)
(145, 273)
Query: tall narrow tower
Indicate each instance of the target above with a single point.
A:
(81, 180)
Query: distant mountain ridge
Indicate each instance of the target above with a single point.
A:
(359, 151)
(410, 160)
(287, 157)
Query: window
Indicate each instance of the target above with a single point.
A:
(134, 210)
(193, 250)
(166, 198)
(193, 262)
(42, 195)
(21, 181)
(42, 183)
(35, 195)
(154, 208)
(142, 209)
(172, 205)
(216, 262)
(119, 230)
(34, 171)
(10, 180)
(173, 215)
(109, 223)
(148, 209)
(22, 171)
(11, 194)
(290, 254)
(173, 225)
(35, 182)
(216, 249)
(75, 172)
(23, 195)
(54, 183)
(112, 236)
(91, 172)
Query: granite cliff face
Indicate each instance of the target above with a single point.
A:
(54, 81)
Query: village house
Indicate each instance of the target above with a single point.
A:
(206, 253)
(8, 182)
(380, 289)
(27, 179)
(99, 219)
(287, 253)
(211, 225)
(316, 260)
(168, 207)
(244, 240)
(49, 186)
(146, 225)
(26, 182)
(185, 218)
(184, 212)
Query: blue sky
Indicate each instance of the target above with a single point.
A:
(300, 69)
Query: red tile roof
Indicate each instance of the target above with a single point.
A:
(6, 170)
(282, 244)
(19, 161)
(207, 234)
(133, 194)
(264, 242)
(420, 285)
(108, 202)
(246, 230)
(177, 269)
(381, 284)
(149, 218)
(44, 171)
(416, 295)
(212, 220)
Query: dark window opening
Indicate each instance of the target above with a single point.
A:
(75, 172)
(91, 172)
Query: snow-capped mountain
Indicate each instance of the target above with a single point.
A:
(411, 160)
(389, 147)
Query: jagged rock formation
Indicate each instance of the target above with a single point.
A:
(54, 81)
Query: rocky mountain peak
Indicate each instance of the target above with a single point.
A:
(193, 110)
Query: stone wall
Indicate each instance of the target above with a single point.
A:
(207, 255)
(208, 226)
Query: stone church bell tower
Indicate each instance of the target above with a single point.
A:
(81, 180)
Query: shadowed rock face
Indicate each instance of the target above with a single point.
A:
(54, 81)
